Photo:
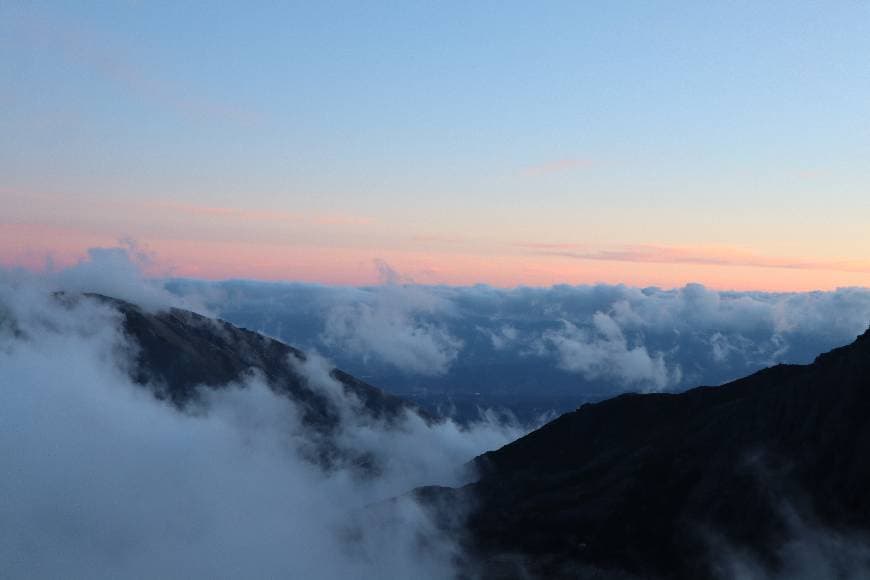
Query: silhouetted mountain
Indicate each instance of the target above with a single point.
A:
(650, 485)
(178, 352)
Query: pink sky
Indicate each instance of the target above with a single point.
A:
(431, 260)
(562, 145)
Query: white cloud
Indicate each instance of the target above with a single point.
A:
(119, 272)
(101, 480)
(605, 353)
(672, 339)
(394, 324)
(501, 337)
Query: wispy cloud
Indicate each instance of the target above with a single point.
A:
(259, 215)
(556, 166)
(437, 239)
(709, 256)
(91, 49)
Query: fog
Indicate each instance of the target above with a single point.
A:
(562, 343)
(810, 551)
(103, 480)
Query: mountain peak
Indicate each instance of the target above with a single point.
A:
(179, 353)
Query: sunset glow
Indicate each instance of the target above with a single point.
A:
(533, 151)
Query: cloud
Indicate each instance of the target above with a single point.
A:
(118, 272)
(89, 49)
(699, 256)
(102, 480)
(585, 340)
(394, 324)
(809, 553)
(807, 549)
(258, 215)
(605, 353)
(501, 337)
(387, 276)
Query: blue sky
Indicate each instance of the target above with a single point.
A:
(444, 133)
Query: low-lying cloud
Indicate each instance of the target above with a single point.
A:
(810, 551)
(396, 323)
(103, 480)
(603, 351)
(117, 272)
(580, 340)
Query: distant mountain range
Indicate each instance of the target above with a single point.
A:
(635, 486)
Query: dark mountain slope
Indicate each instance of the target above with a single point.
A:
(642, 483)
(180, 350)
(177, 353)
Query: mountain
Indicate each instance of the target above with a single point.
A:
(178, 353)
(653, 485)
(647, 486)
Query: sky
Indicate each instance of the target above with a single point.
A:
(505, 143)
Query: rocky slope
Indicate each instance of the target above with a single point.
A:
(177, 353)
(656, 485)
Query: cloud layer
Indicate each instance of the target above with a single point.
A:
(603, 351)
(576, 341)
(401, 325)
(102, 480)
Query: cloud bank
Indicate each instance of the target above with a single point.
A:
(584, 342)
(398, 323)
(603, 351)
(102, 480)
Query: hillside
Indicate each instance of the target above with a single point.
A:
(656, 485)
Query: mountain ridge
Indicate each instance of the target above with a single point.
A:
(645, 484)
(179, 355)
(180, 350)
(640, 485)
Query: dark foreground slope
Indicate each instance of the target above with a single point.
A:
(179, 350)
(178, 353)
(654, 485)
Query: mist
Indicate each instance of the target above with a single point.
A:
(103, 480)
(541, 348)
